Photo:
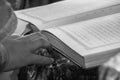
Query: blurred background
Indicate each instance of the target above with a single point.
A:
(22, 4)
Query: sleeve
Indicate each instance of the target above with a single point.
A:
(8, 24)
(8, 20)
(3, 58)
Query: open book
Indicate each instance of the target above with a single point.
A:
(87, 40)
(87, 43)
(68, 12)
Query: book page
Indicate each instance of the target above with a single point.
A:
(90, 34)
(66, 8)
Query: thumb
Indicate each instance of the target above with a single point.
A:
(37, 59)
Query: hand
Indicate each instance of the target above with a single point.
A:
(20, 51)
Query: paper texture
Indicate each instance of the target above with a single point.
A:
(90, 34)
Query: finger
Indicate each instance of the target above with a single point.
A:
(13, 37)
(10, 40)
(40, 43)
(36, 40)
(33, 37)
(42, 60)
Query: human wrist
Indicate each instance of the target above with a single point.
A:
(3, 58)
